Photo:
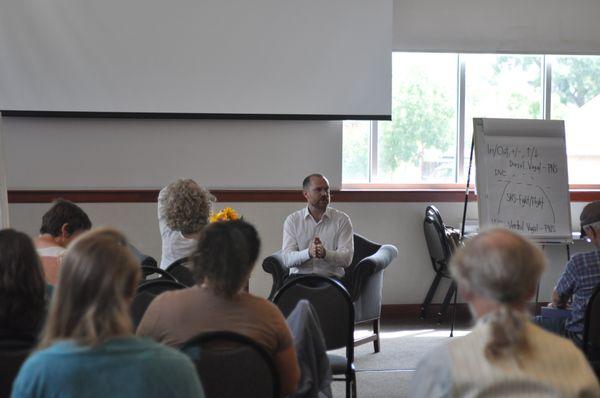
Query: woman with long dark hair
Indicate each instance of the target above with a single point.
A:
(22, 287)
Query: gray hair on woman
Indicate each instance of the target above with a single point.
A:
(186, 206)
(504, 267)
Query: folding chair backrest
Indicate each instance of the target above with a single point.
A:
(158, 286)
(441, 240)
(13, 352)
(146, 293)
(591, 330)
(182, 272)
(331, 302)
(154, 273)
(232, 365)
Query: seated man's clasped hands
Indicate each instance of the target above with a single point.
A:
(316, 248)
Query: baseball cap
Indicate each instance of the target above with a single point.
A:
(589, 215)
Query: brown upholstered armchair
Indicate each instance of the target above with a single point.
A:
(363, 279)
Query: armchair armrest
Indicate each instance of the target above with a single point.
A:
(274, 266)
(368, 267)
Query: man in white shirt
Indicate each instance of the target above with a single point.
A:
(317, 239)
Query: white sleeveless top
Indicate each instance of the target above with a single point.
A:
(52, 251)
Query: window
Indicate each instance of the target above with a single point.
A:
(436, 96)
(575, 98)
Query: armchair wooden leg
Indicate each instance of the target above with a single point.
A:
(348, 388)
(376, 332)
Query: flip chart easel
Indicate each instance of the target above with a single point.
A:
(522, 179)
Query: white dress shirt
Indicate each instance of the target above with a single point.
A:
(335, 232)
(174, 244)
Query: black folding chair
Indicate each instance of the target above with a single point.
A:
(155, 273)
(335, 312)
(146, 292)
(440, 250)
(13, 352)
(232, 365)
(591, 331)
(181, 272)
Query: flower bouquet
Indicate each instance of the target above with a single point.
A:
(227, 214)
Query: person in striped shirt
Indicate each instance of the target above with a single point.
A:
(578, 280)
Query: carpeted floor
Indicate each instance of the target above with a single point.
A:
(388, 373)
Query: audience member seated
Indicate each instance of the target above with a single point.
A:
(317, 239)
(505, 354)
(223, 261)
(87, 348)
(578, 280)
(60, 225)
(22, 287)
(183, 211)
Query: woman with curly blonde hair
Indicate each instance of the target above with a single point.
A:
(183, 211)
(505, 355)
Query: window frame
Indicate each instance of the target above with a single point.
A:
(462, 155)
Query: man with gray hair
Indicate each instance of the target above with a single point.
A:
(183, 211)
(505, 355)
(578, 280)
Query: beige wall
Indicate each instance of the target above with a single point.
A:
(406, 280)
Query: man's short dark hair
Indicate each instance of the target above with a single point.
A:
(306, 181)
(64, 212)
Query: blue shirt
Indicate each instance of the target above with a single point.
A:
(578, 280)
(122, 367)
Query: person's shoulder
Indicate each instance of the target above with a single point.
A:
(584, 259)
(42, 359)
(558, 350)
(172, 298)
(338, 214)
(295, 218)
(151, 354)
(296, 214)
(436, 362)
(548, 341)
(588, 257)
(178, 294)
(256, 300)
(159, 351)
